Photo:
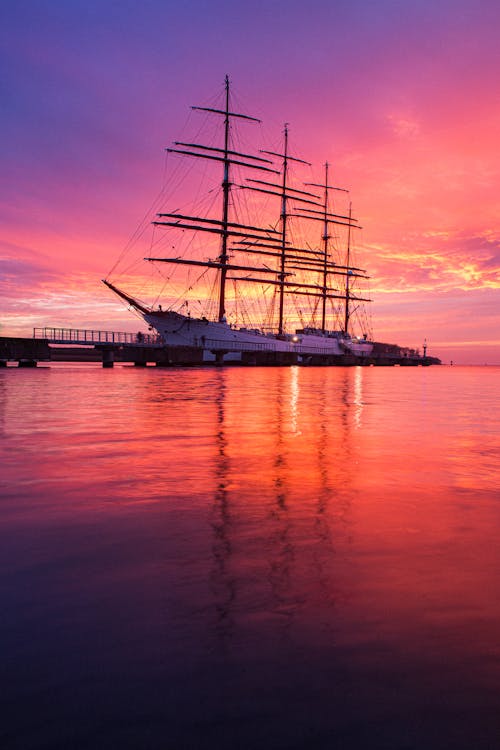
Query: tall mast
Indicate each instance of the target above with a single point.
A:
(284, 192)
(226, 187)
(325, 239)
(327, 218)
(223, 227)
(283, 232)
(348, 259)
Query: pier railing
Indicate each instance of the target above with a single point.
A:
(264, 346)
(81, 337)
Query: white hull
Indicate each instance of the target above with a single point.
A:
(181, 330)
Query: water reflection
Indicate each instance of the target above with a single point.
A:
(280, 542)
(3, 400)
(327, 494)
(222, 581)
(294, 375)
(279, 494)
(358, 396)
(288, 555)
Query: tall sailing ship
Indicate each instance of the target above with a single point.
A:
(259, 288)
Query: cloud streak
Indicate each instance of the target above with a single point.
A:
(439, 262)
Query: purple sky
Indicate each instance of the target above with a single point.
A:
(402, 97)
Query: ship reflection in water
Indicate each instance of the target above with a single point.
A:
(268, 557)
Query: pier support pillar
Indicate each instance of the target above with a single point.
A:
(219, 357)
(108, 358)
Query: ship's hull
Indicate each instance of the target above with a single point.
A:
(217, 339)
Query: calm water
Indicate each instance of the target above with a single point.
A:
(250, 558)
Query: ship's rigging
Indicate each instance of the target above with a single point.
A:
(319, 272)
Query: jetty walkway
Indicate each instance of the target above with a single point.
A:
(82, 345)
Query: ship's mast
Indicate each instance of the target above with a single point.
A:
(328, 218)
(225, 228)
(325, 239)
(285, 196)
(226, 188)
(290, 258)
(348, 260)
(281, 276)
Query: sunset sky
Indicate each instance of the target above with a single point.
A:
(403, 99)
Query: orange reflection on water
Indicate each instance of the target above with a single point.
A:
(324, 521)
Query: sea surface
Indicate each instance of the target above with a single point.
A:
(264, 558)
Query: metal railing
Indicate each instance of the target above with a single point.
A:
(264, 346)
(79, 336)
